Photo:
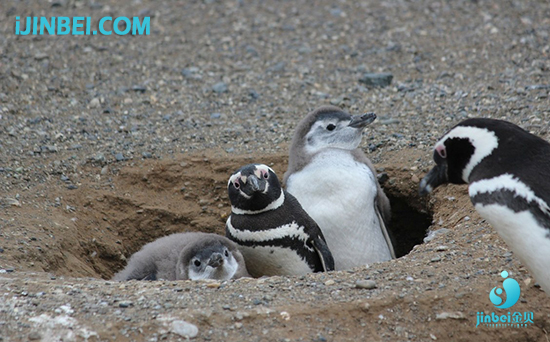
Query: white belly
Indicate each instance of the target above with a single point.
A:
(270, 261)
(339, 193)
(528, 240)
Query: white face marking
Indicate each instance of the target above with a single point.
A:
(483, 140)
(342, 136)
(273, 205)
(508, 182)
(292, 230)
(238, 179)
(224, 272)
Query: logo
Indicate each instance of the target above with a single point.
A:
(510, 291)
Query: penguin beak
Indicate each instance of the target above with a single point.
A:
(254, 184)
(434, 178)
(361, 121)
(215, 260)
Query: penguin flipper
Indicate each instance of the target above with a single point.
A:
(385, 232)
(320, 246)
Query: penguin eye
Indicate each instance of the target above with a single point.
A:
(237, 184)
(442, 151)
(197, 262)
(226, 253)
(331, 127)
(266, 174)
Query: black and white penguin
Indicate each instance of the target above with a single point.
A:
(275, 235)
(183, 256)
(337, 185)
(508, 172)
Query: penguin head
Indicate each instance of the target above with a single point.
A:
(253, 188)
(461, 149)
(209, 260)
(330, 127)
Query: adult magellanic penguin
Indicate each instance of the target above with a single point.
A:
(275, 234)
(508, 172)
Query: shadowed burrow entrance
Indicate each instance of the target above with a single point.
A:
(411, 216)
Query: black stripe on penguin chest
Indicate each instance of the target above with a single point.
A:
(515, 203)
(271, 221)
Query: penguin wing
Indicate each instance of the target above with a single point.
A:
(382, 203)
(320, 246)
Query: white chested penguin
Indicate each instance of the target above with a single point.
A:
(276, 236)
(508, 172)
(183, 256)
(337, 185)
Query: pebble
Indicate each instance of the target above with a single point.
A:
(365, 284)
(35, 336)
(435, 259)
(119, 157)
(376, 79)
(184, 329)
(220, 87)
(434, 233)
(139, 89)
(453, 315)
(94, 103)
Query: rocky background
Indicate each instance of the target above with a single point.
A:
(108, 142)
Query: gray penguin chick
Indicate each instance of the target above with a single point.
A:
(184, 256)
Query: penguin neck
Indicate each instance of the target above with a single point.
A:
(271, 206)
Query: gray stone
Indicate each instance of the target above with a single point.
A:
(365, 284)
(184, 329)
(220, 87)
(376, 80)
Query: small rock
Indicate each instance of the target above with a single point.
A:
(435, 259)
(119, 157)
(441, 248)
(383, 177)
(146, 155)
(35, 336)
(365, 284)
(432, 234)
(220, 87)
(125, 304)
(329, 282)
(11, 201)
(215, 115)
(453, 315)
(253, 94)
(277, 67)
(184, 329)
(139, 89)
(40, 56)
(376, 80)
(94, 103)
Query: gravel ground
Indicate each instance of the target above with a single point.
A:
(107, 142)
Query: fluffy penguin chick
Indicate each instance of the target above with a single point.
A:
(276, 236)
(337, 185)
(508, 172)
(186, 256)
